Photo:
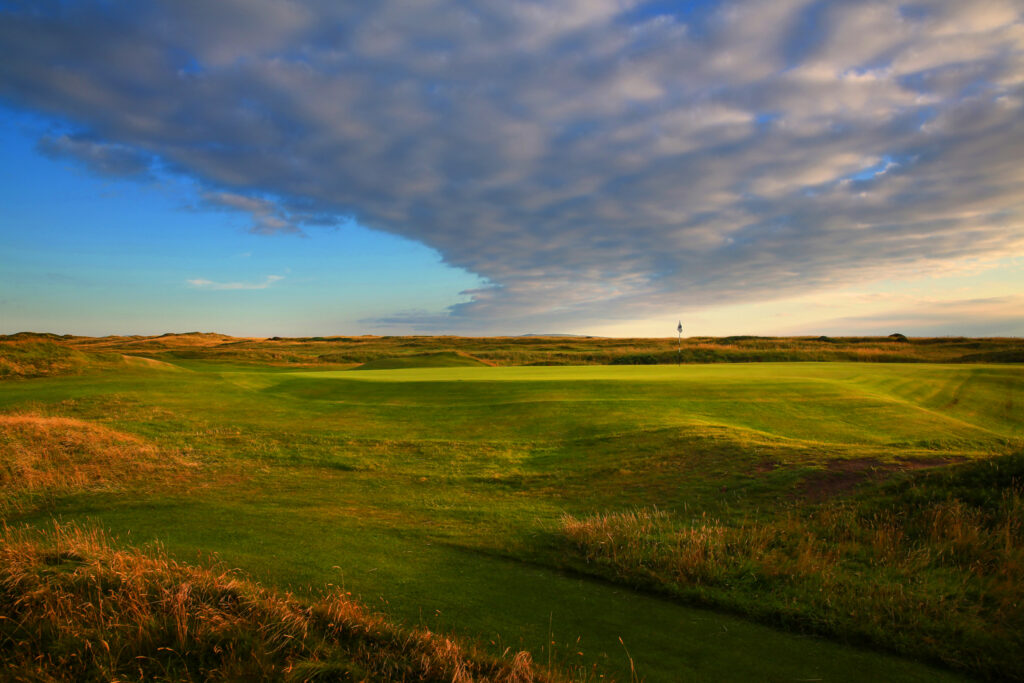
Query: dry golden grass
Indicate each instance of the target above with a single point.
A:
(890, 570)
(165, 341)
(72, 607)
(41, 456)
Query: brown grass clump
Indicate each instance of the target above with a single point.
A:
(45, 456)
(72, 607)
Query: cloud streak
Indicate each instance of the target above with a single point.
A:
(592, 160)
(267, 216)
(202, 283)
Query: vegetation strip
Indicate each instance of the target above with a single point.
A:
(29, 354)
(74, 608)
(891, 568)
(425, 486)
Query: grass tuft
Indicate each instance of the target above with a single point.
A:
(929, 567)
(73, 607)
(42, 457)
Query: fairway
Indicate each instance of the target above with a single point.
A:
(435, 494)
(826, 402)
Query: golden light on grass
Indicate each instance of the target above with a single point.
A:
(42, 456)
(80, 609)
(889, 573)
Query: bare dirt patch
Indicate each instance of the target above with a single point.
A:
(843, 475)
(924, 463)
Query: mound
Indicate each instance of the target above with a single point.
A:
(443, 359)
(74, 608)
(169, 340)
(35, 357)
(46, 455)
(33, 336)
(151, 363)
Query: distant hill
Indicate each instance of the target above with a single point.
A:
(28, 354)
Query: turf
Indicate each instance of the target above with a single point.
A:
(433, 492)
(82, 610)
(440, 359)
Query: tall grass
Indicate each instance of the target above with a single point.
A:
(72, 607)
(930, 568)
(41, 457)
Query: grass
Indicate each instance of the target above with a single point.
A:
(298, 535)
(433, 493)
(347, 351)
(440, 359)
(38, 358)
(929, 567)
(76, 608)
(41, 457)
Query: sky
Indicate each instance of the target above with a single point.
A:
(606, 167)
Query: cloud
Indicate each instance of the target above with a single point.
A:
(267, 216)
(108, 159)
(591, 160)
(202, 283)
(990, 316)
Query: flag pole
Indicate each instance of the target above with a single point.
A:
(679, 352)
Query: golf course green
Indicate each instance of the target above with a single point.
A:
(440, 495)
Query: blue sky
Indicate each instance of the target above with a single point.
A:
(94, 254)
(600, 166)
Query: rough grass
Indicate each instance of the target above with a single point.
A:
(28, 357)
(929, 567)
(318, 351)
(441, 359)
(72, 607)
(41, 457)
